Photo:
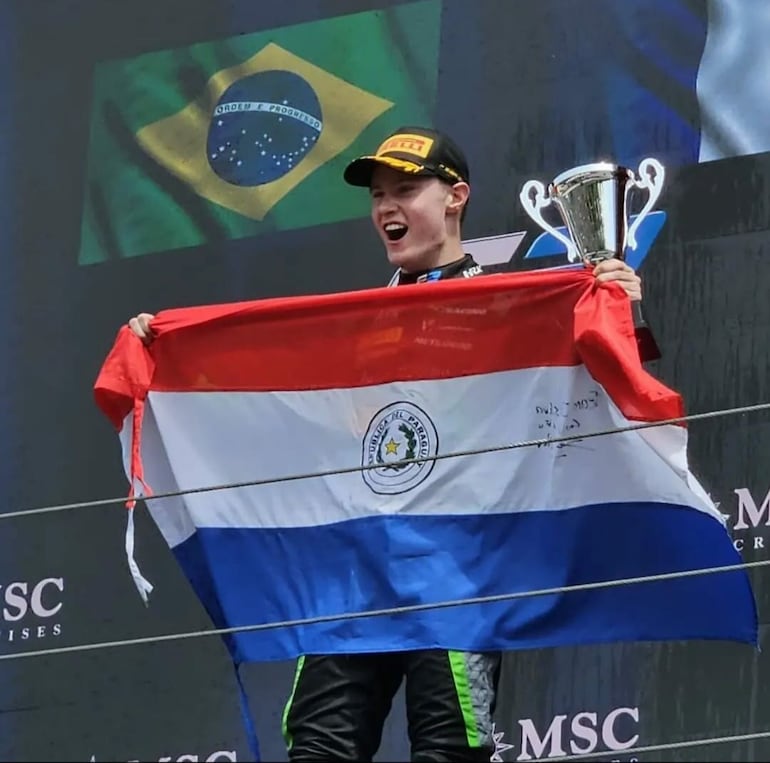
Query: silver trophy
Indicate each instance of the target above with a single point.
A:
(592, 200)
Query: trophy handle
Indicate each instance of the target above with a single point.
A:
(533, 208)
(654, 185)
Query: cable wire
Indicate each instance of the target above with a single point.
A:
(405, 462)
(384, 612)
(666, 746)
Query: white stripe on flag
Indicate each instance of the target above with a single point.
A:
(199, 439)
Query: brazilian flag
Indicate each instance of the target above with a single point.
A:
(236, 137)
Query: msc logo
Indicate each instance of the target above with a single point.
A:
(214, 757)
(29, 607)
(750, 517)
(399, 432)
(582, 733)
(411, 144)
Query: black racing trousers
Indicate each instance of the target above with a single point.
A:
(339, 703)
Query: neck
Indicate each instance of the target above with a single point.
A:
(450, 252)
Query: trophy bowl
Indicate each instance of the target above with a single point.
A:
(592, 200)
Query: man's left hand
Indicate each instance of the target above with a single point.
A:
(623, 274)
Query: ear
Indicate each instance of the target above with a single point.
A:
(458, 196)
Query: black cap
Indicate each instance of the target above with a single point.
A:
(416, 151)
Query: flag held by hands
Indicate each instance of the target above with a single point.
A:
(374, 390)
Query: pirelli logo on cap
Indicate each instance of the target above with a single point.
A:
(417, 145)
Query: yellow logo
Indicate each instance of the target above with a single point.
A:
(417, 145)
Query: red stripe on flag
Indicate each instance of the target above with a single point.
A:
(425, 331)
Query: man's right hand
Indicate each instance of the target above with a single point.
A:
(140, 325)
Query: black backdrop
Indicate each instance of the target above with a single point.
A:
(529, 88)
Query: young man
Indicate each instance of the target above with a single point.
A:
(418, 180)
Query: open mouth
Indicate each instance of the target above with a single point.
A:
(395, 231)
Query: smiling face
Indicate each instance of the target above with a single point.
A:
(417, 218)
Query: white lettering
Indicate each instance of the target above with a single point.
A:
(16, 600)
(585, 731)
(747, 506)
(36, 600)
(40, 631)
(759, 542)
(529, 736)
(273, 108)
(609, 737)
(18, 603)
(214, 757)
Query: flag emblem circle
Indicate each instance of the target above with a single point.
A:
(262, 127)
(399, 432)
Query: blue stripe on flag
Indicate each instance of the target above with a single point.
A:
(380, 562)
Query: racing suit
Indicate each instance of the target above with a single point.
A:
(339, 703)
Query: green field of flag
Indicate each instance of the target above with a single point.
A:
(305, 100)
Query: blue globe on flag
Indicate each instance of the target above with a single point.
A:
(262, 127)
